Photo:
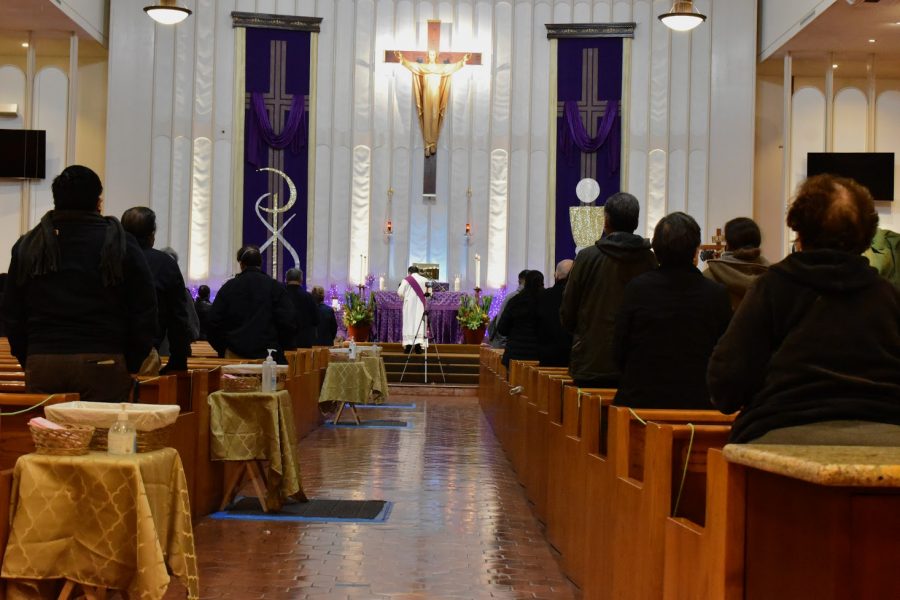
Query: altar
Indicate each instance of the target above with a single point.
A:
(388, 325)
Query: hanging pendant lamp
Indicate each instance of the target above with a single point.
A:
(683, 16)
(167, 12)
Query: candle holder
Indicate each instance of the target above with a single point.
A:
(477, 293)
(468, 232)
(389, 228)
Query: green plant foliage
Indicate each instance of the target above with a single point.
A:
(358, 311)
(473, 312)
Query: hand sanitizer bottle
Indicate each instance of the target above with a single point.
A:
(352, 348)
(269, 373)
(122, 438)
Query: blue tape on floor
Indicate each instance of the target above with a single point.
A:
(382, 517)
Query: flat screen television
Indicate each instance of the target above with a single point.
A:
(23, 153)
(875, 170)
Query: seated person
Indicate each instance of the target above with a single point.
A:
(519, 323)
(669, 323)
(252, 313)
(813, 354)
(742, 263)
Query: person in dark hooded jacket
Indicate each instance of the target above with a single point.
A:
(595, 288)
(742, 262)
(520, 320)
(812, 355)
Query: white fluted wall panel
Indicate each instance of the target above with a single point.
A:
(50, 106)
(360, 197)
(690, 143)
(12, 91)
(807, 130)
(887, 139)
(850, 115)
(498, 219)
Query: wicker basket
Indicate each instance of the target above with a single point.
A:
(248, 378)
(71, 441)
(147, 441)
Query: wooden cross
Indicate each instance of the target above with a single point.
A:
(429, 185)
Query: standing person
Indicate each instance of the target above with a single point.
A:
(495, 339)
(79, 305)
(305, 310)
(173, 317)
(252, 313)
(202, 305)
(519, 323)
(327, 328)
(555, 341)
(813, 354)
(412, 292)
(669, 322)
(594, 292)
(742, 262)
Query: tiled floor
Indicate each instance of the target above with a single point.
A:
(460, 526)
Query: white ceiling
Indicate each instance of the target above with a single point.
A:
(845, 29)
(51, 29)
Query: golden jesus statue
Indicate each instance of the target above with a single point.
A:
(431, 81)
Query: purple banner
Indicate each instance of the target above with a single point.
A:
(588, 125)
(276, 135)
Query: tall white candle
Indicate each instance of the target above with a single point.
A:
(362, 278)
(381, 283)
(456, 283)
(477, 271)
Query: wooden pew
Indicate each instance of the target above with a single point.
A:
(15, 438)
(515, 404)
(798, 522)
(640, 482)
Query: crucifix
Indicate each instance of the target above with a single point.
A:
(590, 107)
(431, 71)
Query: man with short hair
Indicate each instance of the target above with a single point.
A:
(556, 342)
(252, 313)
(495, 338)
(174, 321)
(79, 305)
(741, 263)
(669, 323)
(202, 306)
(305, 310)
(327, 328)
(594, 292)
(412, 292)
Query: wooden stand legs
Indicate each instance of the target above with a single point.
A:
(246, 469)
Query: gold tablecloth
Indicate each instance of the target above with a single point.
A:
(363, 381)
(258, 426)
(101, 520)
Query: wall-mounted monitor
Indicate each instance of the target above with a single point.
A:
(23, 153)
(875, 170)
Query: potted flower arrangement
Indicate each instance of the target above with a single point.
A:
(358, 315)
(473, 317)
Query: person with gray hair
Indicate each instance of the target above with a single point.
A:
(172, 299)
(305, 311)
(556, 342)
(594, 292)
(669, 323)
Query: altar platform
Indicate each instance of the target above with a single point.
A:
(459, 361)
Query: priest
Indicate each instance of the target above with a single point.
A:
(412, 292)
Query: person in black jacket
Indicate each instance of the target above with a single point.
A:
(172, 303)
(202, 305)
(252, 313)
(79, 306)
(326, 330)
(594, 292)
(812, 355)
(555, 341)
(520, 319)
(305, 310)
(670, 320)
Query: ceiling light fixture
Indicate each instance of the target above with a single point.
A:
(834, 66)
(167, 12)
(24, 44)
(683, 16)
(872, 41)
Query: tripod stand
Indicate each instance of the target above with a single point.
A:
(429, 339)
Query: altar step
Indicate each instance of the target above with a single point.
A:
(458, 361)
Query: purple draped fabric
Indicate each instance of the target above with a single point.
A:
(388, 326)
(260, 134)
(574, 135)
